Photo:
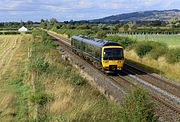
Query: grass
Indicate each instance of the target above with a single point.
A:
(170, 40)
(53, 87)
(72, 98)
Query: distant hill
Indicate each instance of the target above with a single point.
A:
(163, 15)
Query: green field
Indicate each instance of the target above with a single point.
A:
(172, 40)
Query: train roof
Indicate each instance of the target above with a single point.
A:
(94, 41)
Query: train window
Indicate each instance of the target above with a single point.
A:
(113, 54)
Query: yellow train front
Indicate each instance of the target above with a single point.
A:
(112, 58)
(104, 54)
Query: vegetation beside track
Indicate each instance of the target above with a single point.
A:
(153, 54)
(74, 99)
(40, 86)
(50, 89)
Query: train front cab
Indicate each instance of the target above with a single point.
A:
(112, 59)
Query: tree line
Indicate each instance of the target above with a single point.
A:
(173, 26)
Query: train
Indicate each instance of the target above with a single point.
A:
(105, 55)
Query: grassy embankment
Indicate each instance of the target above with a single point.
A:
(39, 85)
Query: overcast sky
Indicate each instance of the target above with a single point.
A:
(35, 10)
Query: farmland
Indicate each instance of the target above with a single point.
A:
(9, 45)
(10, 59)
(172, 40)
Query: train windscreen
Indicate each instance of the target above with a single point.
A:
(113, 54)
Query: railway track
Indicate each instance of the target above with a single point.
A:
(127, 82)
(169, 87)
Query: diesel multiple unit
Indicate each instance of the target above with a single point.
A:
(103, 54)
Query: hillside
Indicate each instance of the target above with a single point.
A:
(165, 15)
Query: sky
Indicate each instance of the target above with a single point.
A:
(65, 10)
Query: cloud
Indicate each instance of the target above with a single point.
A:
(77, 9)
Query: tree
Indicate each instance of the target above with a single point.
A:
(44, 23)
(126, 27)
(175, 23)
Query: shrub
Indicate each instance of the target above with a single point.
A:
(143, 48)
(158, 50)
(173, 55)
(137, 107)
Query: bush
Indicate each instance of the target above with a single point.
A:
(173, 55)
(158, 50)
(137, 107)
(143, 48)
